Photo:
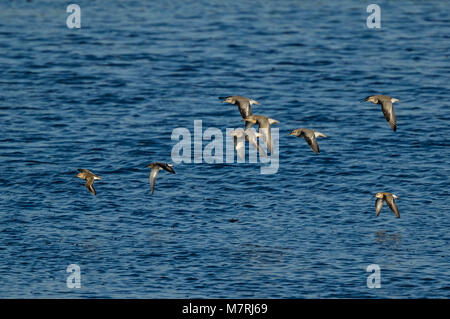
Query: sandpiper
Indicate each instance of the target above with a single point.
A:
(89, 177)
(264, 123)
(387, 107)
(251, 136)
(390, 200)
(244, 104)
(155, 168)
(309, 136)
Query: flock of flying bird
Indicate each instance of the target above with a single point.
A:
(264, 123)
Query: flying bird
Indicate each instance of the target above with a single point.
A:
(243, 103)
(155, 167)
(264, 124)
(387, 107)
(309, 136)
(89, 177)
(390, 200)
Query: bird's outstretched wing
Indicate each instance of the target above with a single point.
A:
(153, 174)
(90, 184)
(310, 138)
(239, 142)
(167, 167)
(388, 111)
(378, 206)
(392, 205)
(267, 137)
(244, 108)
(239, 145)
(252, 140)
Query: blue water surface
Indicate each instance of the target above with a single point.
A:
(106, 97)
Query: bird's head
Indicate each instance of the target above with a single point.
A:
(228, 99)
(295, 132)
(372, 99)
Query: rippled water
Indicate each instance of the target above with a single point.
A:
(107, 96)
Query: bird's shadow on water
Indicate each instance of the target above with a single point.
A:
(388, 238)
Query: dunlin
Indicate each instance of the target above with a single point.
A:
(387, 107)
(309, 136)
(390, 200)
(155, 168)
(89, 177)
(244, 104)
(264, 124)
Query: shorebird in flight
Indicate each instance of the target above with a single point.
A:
(244, 104)
(155, 167)
(89, 177)
(386, 106)
(390, 200)
(309, 136)
(264, 124)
